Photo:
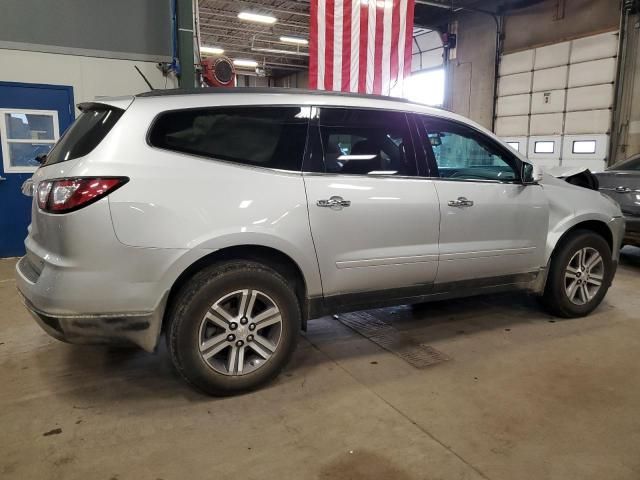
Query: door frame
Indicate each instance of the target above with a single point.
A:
(72, 115)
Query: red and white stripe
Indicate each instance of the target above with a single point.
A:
(360, 45)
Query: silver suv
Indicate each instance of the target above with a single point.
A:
(228, 218)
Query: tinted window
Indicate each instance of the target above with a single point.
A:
(84, 135)
(271, 137)
(462, 153)
(363, 142)
(631, 164)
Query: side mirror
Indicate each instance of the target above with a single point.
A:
(41, 158)
(531, 173)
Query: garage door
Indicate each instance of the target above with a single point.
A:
(555, 102)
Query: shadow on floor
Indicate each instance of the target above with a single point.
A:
(630, 257)
(140, 375)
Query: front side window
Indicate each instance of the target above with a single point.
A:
(272, 137)
(462, 153)
(364, 142)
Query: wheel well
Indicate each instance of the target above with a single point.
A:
(275, 259)
(595, 226)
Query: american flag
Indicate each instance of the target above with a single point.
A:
(360, 45)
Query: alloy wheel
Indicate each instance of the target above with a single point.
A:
(240, 332)
(584, 275)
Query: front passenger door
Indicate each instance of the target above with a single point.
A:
(491, 224)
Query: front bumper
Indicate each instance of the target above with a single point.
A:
(632, 231)
(617, 227)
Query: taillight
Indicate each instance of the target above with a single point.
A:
(69, 194)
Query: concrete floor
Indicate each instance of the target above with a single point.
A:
(523, 397)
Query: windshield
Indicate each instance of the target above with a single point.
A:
(84, 134)
(630, 164)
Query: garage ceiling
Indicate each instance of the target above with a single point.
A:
(220, 26)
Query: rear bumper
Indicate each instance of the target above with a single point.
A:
(141, 329)
(123, 304)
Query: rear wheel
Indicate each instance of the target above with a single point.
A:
(233, 327)
(579, 276)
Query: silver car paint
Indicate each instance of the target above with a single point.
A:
(123, 253)
(387, 237)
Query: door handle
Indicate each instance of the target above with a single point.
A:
(623, 189)
(461, 202)
(338, 202)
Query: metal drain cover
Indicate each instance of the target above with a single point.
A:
(384, 335)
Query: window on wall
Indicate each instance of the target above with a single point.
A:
(425, 87)
(544, 147)
(584, 146)
(25, 135)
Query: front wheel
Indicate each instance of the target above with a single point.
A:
(233, 327)
(579, 276)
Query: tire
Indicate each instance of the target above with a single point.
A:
(564, 298)
(207, 330)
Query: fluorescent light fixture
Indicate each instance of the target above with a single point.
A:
(212, 50)
(245, 63)
(279, 50)
(256, 17)
(356, 157)
(584, 146)
(296, 40)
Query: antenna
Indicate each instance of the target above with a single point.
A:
(143, 77)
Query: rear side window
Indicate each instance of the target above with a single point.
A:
(363, 142)
(272, 137)
(84, 135)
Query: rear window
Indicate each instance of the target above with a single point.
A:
(84, 134)
(272, 137)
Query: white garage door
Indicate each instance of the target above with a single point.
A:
(555, 103)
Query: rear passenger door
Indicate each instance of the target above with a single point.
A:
(374, 219)
(492, 224)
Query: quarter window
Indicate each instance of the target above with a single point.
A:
(272, 137)
(84, 134)
(462, 153)
(363, 142)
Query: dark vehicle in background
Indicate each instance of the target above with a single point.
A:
(622, 183)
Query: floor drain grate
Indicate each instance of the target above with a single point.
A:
(384, 335)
